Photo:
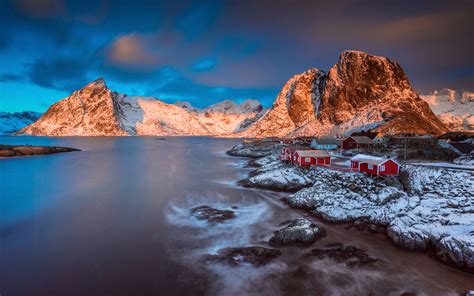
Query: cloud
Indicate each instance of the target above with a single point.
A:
(204, 64)
(132, 50)
(60, 73)
(10, 77)
(39, 8)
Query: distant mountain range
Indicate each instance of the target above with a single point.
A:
(95, 110)
(11, 122)
(361, 91)
(455, 109)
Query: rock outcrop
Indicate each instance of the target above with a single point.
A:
(297, 232)
(13, 150)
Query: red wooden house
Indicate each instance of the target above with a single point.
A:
(373, 165)
(355, 142)
(287, 153)
(311, 157)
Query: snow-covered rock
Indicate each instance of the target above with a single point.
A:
(297, 232)
(427, 209)
(455, 109)
(11, 122)
(254, 149)
(275, 175)
(438, 214)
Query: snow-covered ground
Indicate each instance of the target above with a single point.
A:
(428, 209)
(460, 166)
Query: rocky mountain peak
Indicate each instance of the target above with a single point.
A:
(360, 91)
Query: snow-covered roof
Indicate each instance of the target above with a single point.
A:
(295, 148)
(370, 159)
(312, 153)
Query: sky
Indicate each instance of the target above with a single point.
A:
(208, 51)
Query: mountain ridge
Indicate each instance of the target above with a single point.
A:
(361, 91)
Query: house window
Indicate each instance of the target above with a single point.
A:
(307, 159)
(382, 168)
(370, 167)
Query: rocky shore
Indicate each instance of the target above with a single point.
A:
(17, 150)
(424, 209)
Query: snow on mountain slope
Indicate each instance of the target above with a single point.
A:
(359, 91)
(90, 111)
(455, 109)
(96, 111)
(11, 122)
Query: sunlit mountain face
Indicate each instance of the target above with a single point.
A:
(212, 51)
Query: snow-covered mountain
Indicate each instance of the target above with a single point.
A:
(95, 110)
(360, 91)
(455, 109)
(11, 122)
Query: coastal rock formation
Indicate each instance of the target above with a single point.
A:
(14, 150)
(257, 256)
(212, 215)
(433, 214)
(276, 176)
(297, 232)
(361, 91)
(254, 149)
(350, 255)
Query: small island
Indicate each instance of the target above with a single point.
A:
(27, 150)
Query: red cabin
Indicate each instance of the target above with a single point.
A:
(355, 142)
(311, 157)
(287, 153)
(375, 165)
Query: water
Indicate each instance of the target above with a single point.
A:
(114, 219)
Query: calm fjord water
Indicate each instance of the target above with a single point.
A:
(114, 219)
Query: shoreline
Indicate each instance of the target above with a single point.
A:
(267, 173)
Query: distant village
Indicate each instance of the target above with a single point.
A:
(374, 153)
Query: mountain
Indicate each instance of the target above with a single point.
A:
(361, 91)
(95, 110)
(455, 109)
(11, 122)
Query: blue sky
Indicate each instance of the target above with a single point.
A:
(208, 51)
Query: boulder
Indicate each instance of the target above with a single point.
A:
(212, 215)
(235, 256)
(297, 232)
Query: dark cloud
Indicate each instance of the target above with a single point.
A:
(231, 49)
(60, 73)
(10, 77)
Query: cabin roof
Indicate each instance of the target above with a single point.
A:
(371, 159)
(312, 153)
(362, 139)
(370, 135)
(294, 148)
